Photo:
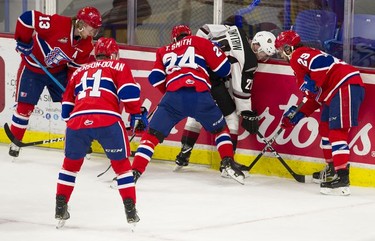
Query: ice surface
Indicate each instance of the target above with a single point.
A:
(195, 204)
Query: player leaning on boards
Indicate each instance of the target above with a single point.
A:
(91, 109)
(180, 72)
(337, 89)
(232, 94)
(59, 43)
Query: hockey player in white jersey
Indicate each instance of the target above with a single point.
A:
(233, 95)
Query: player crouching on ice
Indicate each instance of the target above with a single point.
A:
(180, 73)
(337, 89)
(91, 109)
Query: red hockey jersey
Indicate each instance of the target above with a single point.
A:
(184, 64)
(54, 44)
(328, 73)
(94, 92)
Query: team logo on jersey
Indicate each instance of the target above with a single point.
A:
(189, 81)
(88, 122)
(55, 57)
(63, 40)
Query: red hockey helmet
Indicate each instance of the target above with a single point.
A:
(179, 30)
(106, 47)
(90, 16)
(286, 42)
(289, 37)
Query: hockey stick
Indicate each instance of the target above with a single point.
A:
(131, 138)
(47, 72)
(270, 142)
(297, 177)
(19, 143)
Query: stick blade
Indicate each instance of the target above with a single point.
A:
(303, 178)
(11, 137)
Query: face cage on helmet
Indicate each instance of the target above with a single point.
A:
(288, 50)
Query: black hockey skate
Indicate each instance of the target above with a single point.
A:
(325, 175)
(14, 150)
(61, 211)
(182, 159)
(232, 169)
(243, 168)
(130, 211)
(339, 185)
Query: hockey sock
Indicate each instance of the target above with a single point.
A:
(224, 144)
(67, 177)
(234, 138)
(125, 179)
(189, 137)
(20, 119)
(325, 144)
(144, 152)
(340, 147)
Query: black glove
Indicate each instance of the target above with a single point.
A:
(250, 121)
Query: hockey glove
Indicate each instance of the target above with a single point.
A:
(139, 122)
(250, 121)
(291, 117)
(309, 85)
(25, 48)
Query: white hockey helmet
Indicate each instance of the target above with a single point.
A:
(264, 41)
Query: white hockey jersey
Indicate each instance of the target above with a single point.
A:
(234, 43)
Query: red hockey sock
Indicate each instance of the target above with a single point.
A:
(144, 152)
(67, 177)
(20, 119)
(340, 147)
(224, 144)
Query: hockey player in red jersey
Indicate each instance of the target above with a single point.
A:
(337, 88)
(61, 44)
(180, 72)
(232, 95)
(91, 109)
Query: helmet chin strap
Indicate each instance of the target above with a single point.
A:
(290, 54)
(80, 27)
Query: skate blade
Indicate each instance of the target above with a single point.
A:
(133, 226)
(224, 174)
(113, 185)
(177, 168)
(60, 224)
(239, 178)
(341, 191)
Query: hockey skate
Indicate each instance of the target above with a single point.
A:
(229, 166)
(325, 175)
(182, 159)
(131, 213)
(61, 211)
(14, 150)
(339, 185)
(243, 168)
